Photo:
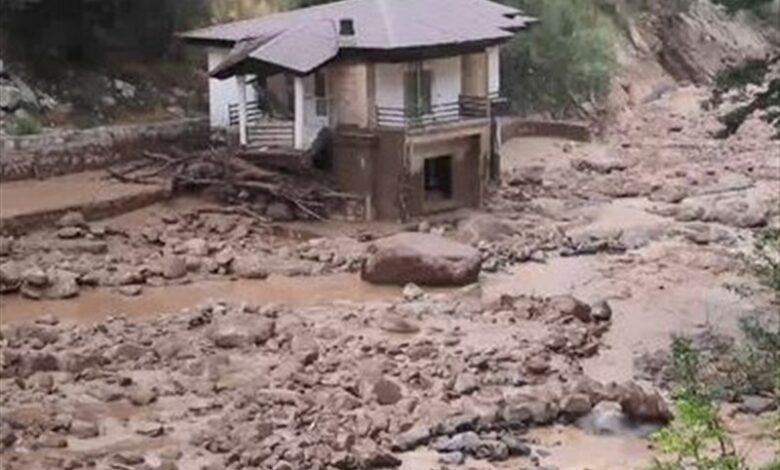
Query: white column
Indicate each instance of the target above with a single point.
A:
(241, 82)
(299, 112)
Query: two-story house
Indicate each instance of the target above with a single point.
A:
(404, 88)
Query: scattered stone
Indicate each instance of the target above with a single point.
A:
(387, 392)
(576, 405)
(753, 404)
(396, 324)
(601, 311)
(568, 306)
(72, 219)
(643, 406)
(249, 267)
(174, 267)
(131, 290)
(412, 292)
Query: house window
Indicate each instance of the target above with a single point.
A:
(438, 178)
(417, 91)
(320, 93)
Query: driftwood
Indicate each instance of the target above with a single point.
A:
(221, 168)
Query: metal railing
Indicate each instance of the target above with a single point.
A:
(253, 112)
(467, 107)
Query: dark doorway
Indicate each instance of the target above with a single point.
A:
(438, 178)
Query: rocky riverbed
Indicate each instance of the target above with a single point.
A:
(591, 256)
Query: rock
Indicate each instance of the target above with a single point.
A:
(465, 384)
(10, 98)
(230, 336)
(576, 405)
(739, 213)
(412, 292)
(516, 446)
(59, 284)
(411, 439)
(484, 227)
(669, 194)
(174, 267)
(689, 213)
(753, 404)
(7, 435)
(35, 276)
(263, 330)
(72, 219)
(538, 365)
(305, 348)
(603, 165)
(531, 175)
(467, 442)
(69, 233)
(11, 276)
(249, 267)
(84, 429)
(126, 90)
(396, 324)
(130, 291)
(601, 311)
(452, 458)
(280, 212)
(195, 247)
(142, 396)
(566, 306)
(387, 392)
(149, 429)
(492, 450)
(643, 406)
(6, 245)
(128, 458)
(421, 258)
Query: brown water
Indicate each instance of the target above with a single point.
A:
(63, 192)
(97, 304)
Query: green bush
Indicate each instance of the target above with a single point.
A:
(565, 60)
(27, 125)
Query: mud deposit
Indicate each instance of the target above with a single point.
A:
(182, 336)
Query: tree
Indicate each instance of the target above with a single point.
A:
(565, 60)
(83, 31)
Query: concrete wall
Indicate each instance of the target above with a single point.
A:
(386, 167)
(494, 70)
(61, 152)
(474, 72)
(223, 92)
(348, 84)
(511, 127)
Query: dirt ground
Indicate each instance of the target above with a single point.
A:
(183, 337)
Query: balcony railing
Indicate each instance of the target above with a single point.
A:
(253, 112)
(467, 107)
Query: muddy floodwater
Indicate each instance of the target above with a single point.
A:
(98, 304)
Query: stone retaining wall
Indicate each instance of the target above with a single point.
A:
(61, 152)
(509, 128)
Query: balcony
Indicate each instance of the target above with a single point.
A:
(465, 108)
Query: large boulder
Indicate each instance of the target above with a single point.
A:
(421, 258)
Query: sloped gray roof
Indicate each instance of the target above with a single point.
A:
(302, 40)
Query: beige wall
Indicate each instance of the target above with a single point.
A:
(474, 71)
(349, 87)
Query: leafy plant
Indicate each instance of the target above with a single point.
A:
(696, 439)
(27, 125)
